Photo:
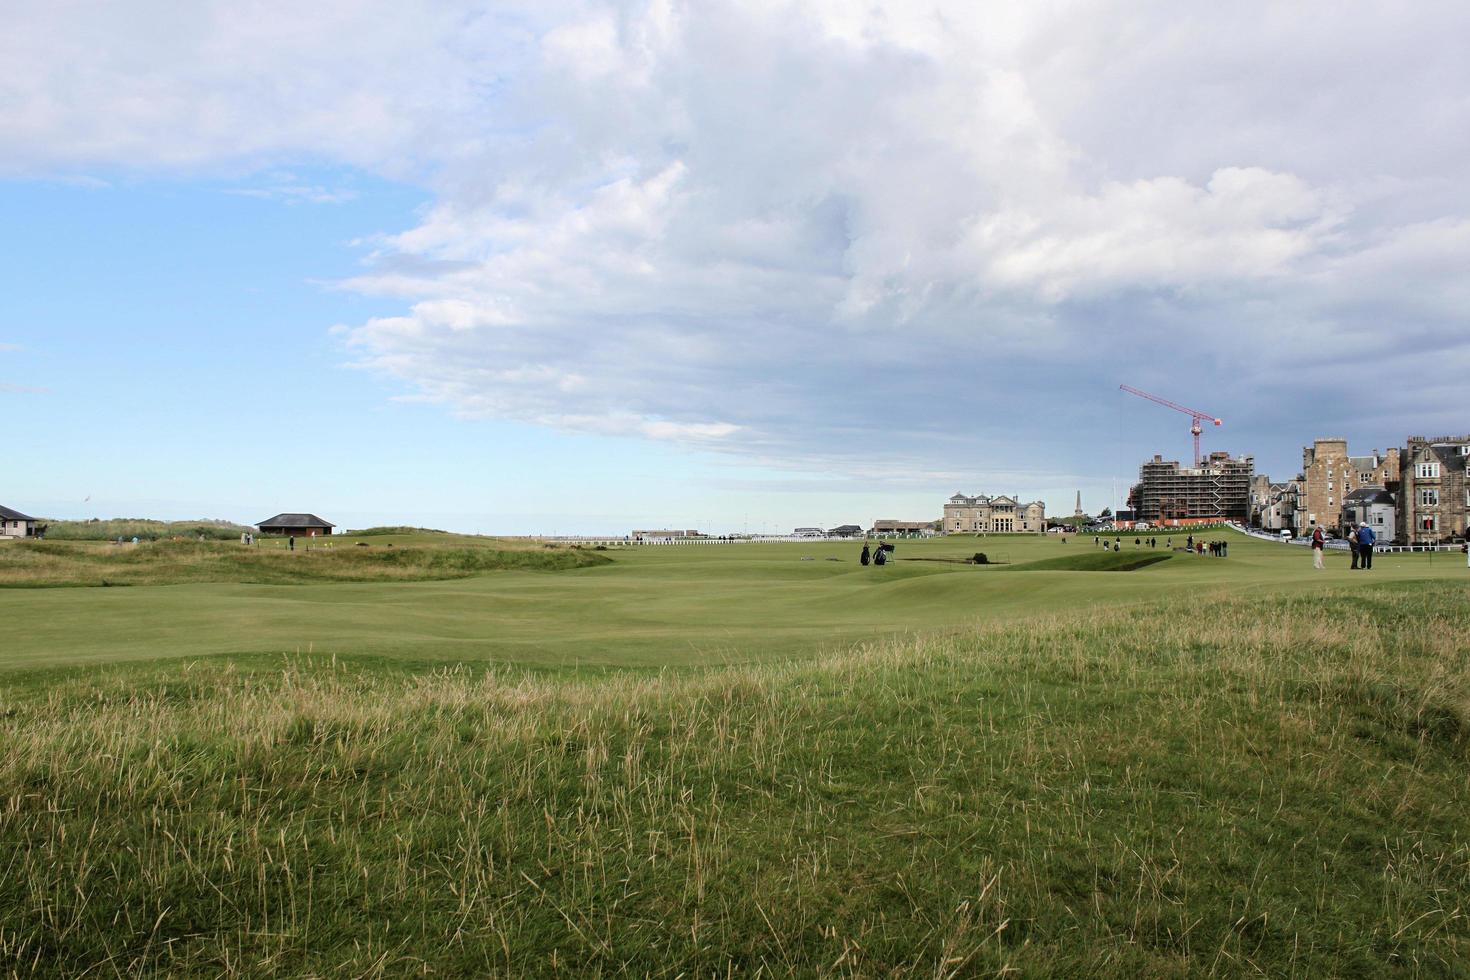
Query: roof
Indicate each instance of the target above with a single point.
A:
(295, 520)
(6, 514)
(1369, 495)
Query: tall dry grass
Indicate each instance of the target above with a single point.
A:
(39, 564)
(1237, 787)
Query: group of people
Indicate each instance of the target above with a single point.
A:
(1360, 539)
(878, 555)
(1215, 549)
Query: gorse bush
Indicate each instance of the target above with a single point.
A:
(1243, 787)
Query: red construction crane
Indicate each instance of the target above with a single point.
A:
(1195, 416)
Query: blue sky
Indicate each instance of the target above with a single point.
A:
(584, 267)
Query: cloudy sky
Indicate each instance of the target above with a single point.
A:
(579, 267)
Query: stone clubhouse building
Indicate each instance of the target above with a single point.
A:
(993, 515)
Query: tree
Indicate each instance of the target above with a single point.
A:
(1106, 512)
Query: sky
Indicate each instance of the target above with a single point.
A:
(584, 267)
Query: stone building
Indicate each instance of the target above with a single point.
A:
(1434, 490)
(1219, 489)
(1373, 506)
(1276, 507)
(1329, 474)
(993, 515)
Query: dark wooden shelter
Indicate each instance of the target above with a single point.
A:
(299, 525)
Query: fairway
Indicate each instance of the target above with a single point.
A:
(756, 759)
(651, 606)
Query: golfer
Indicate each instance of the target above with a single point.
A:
(1366, 537)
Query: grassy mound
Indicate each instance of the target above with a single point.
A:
(33, 564)
(1263, 787)
(1095, 561)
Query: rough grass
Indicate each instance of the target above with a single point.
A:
(1240, 787)
(143, 529)
(41, 564)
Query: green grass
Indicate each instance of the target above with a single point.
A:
(44, 564)
(141, 528)
(698, 760)
(1237, 786)
(1100, 561)
(649, 607)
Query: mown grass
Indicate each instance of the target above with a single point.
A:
(43, 564)
(1238, 786)
(1094, 561)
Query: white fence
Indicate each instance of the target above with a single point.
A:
(1338, 544)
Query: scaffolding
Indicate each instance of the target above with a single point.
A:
(1219, 489)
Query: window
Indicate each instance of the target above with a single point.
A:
(1427, 471)
(1430, 523)
(1463, 450)
(1429, 498)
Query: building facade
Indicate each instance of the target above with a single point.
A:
(1330, 473)
(1434, 490)
(14, 524)
(1373, 506)
(297, 525)
(887, 527)
(993, 515)
(1277, 506)
(1219, 489)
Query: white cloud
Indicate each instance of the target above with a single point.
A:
(802, 229)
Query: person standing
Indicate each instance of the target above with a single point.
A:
(1353, 545)
(1318, 540)
(291, 543)
(1366, 537)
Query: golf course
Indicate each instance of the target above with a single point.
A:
(419, 753)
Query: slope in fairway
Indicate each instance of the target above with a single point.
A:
(651, 606)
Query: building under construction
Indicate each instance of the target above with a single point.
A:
(1219, 489)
